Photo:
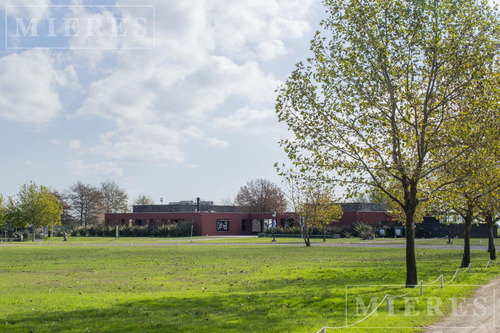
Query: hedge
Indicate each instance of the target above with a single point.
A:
(173, 230)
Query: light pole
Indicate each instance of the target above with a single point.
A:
(274, 227)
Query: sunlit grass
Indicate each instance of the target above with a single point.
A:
(209, 288)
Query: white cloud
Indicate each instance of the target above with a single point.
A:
(247, 119)
(270, 49)
(28, 85)
(194, 133)
(214, 142)
(74, 144)
(34, 9)
(102, 169)
(142, 144)
(206, 58)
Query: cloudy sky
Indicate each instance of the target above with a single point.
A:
(173, 99)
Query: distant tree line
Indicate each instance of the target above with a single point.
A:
(80, 204)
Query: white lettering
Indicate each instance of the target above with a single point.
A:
(364, 308)
(140, 30)
(70, 27)
(117, 28)
(410, 303)
(32, 27)
(479, 304)
(434, 306)
(52, 29)
(94, 26)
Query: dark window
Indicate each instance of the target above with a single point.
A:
(222, 225)
(243, 222)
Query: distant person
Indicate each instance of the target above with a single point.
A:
(65, 236)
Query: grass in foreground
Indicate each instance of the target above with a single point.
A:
(210, 288)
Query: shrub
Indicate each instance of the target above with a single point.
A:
(364, 231)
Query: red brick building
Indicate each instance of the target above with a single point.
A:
(205, 223)
(212, 220)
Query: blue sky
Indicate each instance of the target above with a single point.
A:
(180, 105)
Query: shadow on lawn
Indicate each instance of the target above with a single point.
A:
(200, 313)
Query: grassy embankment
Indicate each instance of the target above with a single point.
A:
(212, 288)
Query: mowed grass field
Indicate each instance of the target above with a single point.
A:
(187, 287)
(243, 240)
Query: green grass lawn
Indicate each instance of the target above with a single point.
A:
(241, 240)
(211, 288)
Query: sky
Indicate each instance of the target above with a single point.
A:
(173, 99)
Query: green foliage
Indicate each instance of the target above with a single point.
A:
(35, 206)
(382, 102)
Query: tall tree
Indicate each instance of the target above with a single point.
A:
(491, 216)
(143, 200)
(314, 204)
(66, 218)
(381, 91)
(114, 197)
(260, 196)
(35, 206)
(475, 177)
(86, 202)
(328, 212)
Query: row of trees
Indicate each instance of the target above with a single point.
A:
(79, 205)
(400, 96)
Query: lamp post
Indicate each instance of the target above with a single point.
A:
(274, 227)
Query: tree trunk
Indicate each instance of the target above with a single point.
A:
(491, 241)
(468, 222)
(307, 238)
(411, 262)
(324, 234)
(305, 233)
(411, 203)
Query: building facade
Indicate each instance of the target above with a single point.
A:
(216, 220)
(207, 218)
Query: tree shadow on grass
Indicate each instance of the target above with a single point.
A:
(199, 313)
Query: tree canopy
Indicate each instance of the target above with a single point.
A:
(114, 197)
(380, 103)
(35, 206)
(261, 195)
(143, 199)
(86, 203)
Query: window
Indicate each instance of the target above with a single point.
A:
(222, 225)
(243, 222)
(256, 226)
